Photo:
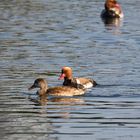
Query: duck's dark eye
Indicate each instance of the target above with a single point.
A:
(36, 83)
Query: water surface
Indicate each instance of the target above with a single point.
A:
(38, 38)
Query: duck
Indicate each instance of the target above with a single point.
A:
(69, 80)
(112, 10)
(55, 91)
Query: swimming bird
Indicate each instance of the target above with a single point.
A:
(112, 10)
(69, 80)
(55, 91)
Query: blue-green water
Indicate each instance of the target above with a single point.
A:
(38, 38)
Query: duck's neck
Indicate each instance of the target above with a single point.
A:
(43, 90)
(68, 78)
(67, 81)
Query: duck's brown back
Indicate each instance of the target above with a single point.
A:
(65, 91)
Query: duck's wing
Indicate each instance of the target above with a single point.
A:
(64, 91)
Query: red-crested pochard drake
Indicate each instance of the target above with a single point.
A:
(112, 10)
(69, 80)
(55, 91)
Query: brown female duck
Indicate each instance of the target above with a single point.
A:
(69, 80)
(55, 91)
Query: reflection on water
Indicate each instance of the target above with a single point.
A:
(114, 22)
(43, 100)
(38, 38)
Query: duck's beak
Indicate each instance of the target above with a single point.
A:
(32, 87)
(61, 76)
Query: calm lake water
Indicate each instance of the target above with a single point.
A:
(38, 38)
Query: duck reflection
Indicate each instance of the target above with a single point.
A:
(52, 104)
(43, 100)
(68, 101)
(112, 22)
(39, 101)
